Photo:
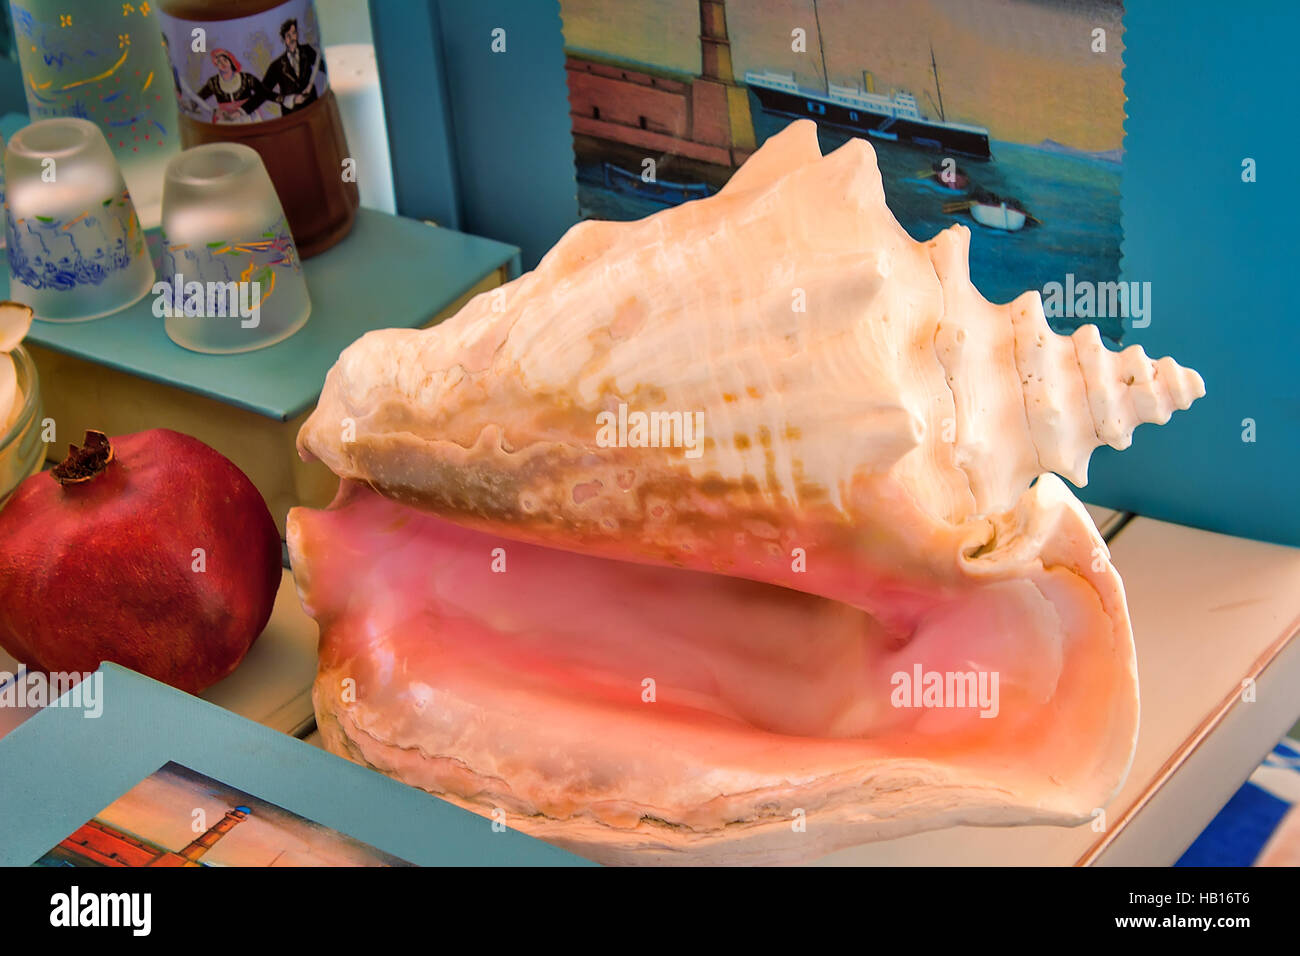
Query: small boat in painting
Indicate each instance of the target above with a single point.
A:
(951, 180)
(992, 211)
(1002, 215)
(659, 190)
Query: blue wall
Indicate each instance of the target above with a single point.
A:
(480, 139)
(1208, 86)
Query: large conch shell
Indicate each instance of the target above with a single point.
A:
(868, 430)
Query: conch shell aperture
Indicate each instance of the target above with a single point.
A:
(713, 648)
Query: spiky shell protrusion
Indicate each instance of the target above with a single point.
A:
(1029, 400)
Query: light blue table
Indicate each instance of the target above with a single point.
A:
(61, 768)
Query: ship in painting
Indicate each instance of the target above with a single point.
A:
(895, 117)
(859, 109)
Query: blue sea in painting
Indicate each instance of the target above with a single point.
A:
(1075, 199)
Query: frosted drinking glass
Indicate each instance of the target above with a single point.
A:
(230, 275)
(103, 61)
(76, 250)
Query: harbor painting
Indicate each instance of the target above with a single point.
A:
(178, 817)
(1004, 115)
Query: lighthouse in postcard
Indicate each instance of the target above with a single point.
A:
(191, 854)
(95, 843)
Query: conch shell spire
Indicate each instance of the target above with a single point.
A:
(1076, 393)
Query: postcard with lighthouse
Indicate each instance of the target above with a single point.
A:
(1003, 116)
(178, 817)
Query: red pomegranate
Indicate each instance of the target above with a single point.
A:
(150, 550)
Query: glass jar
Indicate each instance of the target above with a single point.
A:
(22, 450)
(260, 79)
